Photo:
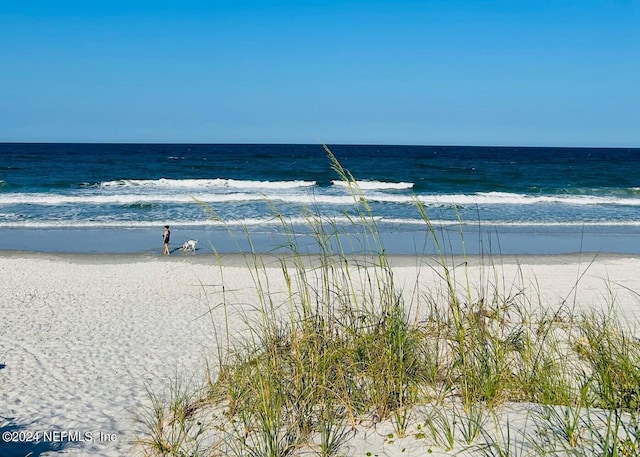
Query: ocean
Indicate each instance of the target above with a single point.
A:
(512, 200)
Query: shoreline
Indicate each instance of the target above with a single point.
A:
(470, 240)
(241, 259)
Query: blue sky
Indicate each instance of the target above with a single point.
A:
(548, 73)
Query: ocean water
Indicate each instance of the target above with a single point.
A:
(518, 194)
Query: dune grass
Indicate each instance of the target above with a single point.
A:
(344, 348)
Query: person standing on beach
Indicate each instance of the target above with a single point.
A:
(165, 239)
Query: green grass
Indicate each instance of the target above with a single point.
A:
(345, 347)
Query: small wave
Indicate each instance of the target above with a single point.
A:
(7, 186)
(376, 185)
(273, 222)
(126, 224)
(204, 183)
(148, 199)
(504, 198)
(306, 198)
(131, 199)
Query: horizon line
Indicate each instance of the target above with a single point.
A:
(197, 143)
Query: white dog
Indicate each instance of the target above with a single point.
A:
(189, 245)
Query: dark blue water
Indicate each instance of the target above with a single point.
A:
(129, 186)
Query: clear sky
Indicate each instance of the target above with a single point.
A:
(547, 73)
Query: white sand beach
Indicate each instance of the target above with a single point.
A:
(82, 337)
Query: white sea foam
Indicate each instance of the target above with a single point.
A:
(376, 185)
(204, 183)
(503, 198)
(150, 198)
(132, 198)
(125, 224)
(299, 221)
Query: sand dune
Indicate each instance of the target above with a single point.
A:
(82, 338)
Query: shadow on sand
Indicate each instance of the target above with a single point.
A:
(19, 440)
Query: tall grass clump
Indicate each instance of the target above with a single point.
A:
(499, 345)
(175, 423)
(333, 344)
(335, 349)
(612, 357)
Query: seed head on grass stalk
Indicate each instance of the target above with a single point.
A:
(361, 204)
